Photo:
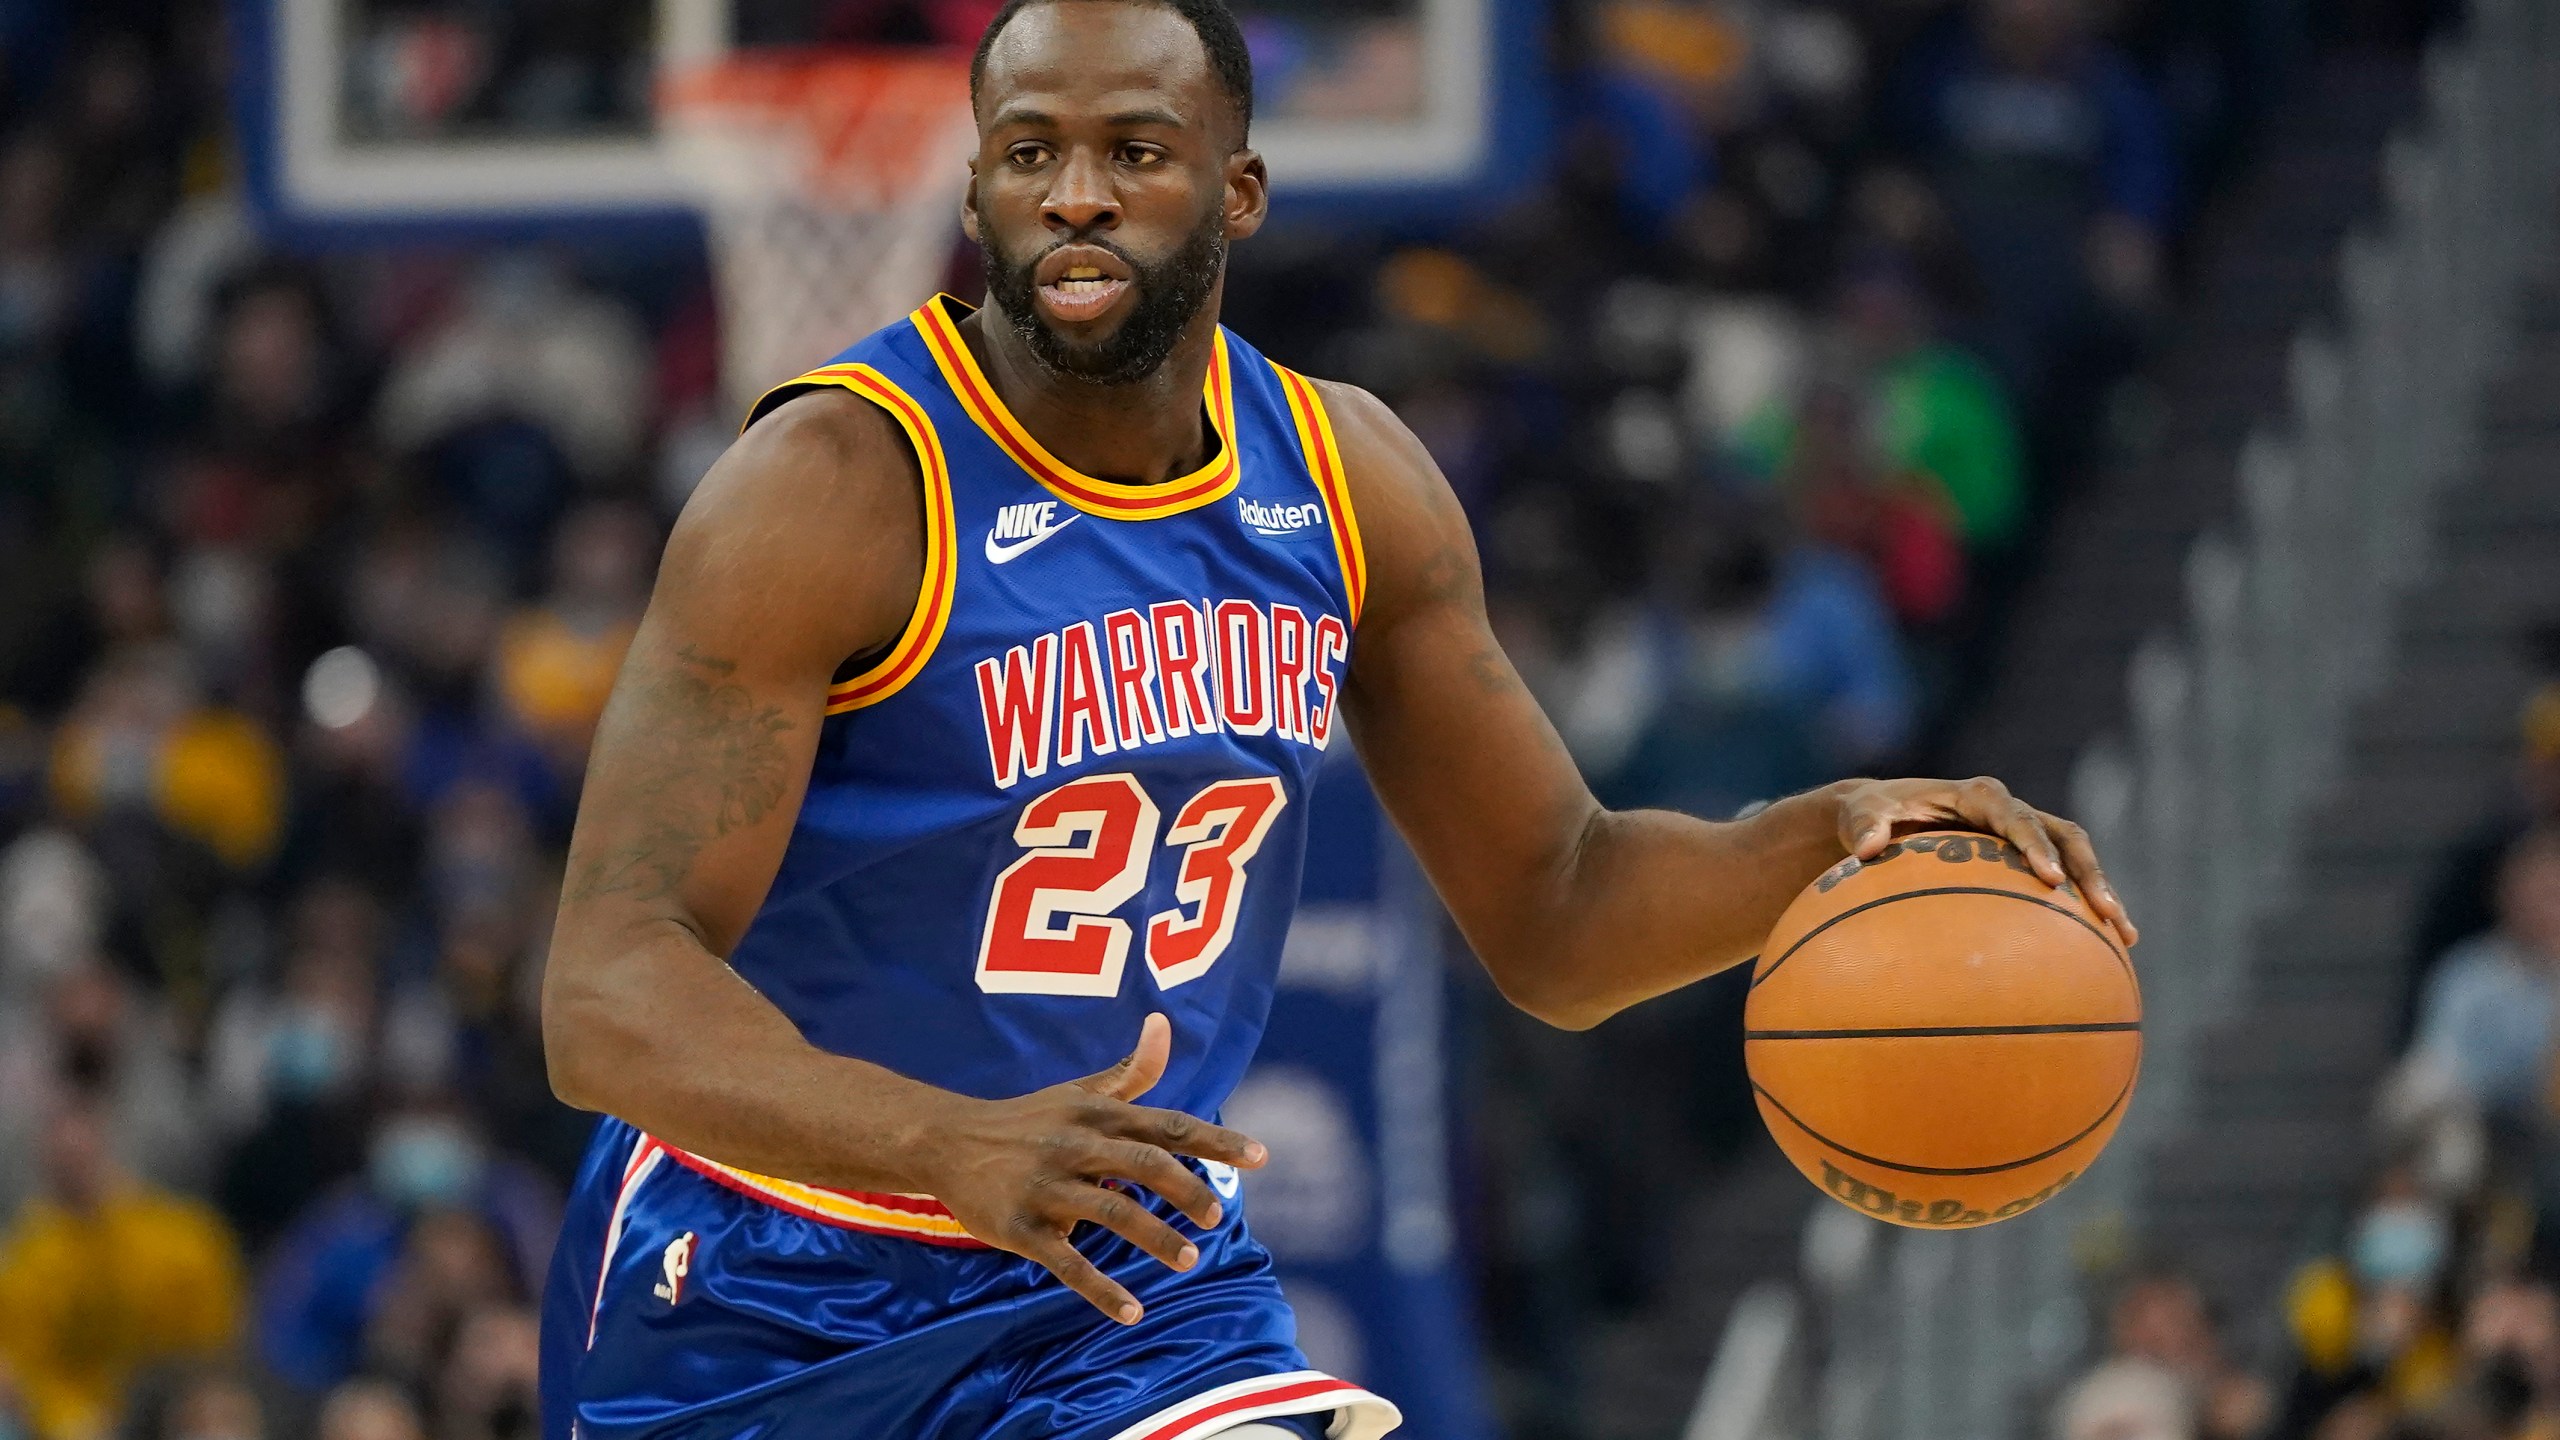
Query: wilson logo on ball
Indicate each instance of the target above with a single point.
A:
(1950, 849)
(1952, 1214)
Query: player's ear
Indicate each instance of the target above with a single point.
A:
(1248, 193)
(969, 205)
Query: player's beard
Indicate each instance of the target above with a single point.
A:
(1170, 294)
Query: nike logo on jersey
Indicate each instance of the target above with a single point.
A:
(1019, 527)
(1278, 519)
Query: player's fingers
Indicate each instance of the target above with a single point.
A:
(1122, 1215)
(1140, 1069)
(1189, 1135)
(1159, 1171)
(1866, 823)
(1037, 1242)
(2024, 827)
(2081, 859)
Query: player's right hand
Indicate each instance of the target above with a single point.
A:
(1021, 1174)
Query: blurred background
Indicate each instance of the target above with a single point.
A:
(2152, 402)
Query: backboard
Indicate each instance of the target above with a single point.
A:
(372, 119)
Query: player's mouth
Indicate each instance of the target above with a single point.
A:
(1077, 284)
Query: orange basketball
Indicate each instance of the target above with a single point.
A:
(1938, 1038)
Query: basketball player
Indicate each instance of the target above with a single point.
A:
(928, 891)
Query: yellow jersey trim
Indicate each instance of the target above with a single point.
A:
(1108, 498)
(923, 632)
(1324, 464)
(918, 1217)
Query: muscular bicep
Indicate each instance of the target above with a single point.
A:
(802, 547)
(1459, 751)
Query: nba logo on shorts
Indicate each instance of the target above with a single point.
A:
(677, 1263)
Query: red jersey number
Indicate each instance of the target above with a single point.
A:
(1050, 927)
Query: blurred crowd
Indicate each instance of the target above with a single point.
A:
(315, 570)
(2430, 1308)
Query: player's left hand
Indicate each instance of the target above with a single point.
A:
(1874, 812)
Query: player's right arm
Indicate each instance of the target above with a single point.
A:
(803, 546)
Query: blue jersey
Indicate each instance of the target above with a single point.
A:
(1074, 790)
(1071, 793)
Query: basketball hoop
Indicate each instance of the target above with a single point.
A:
(831, 184)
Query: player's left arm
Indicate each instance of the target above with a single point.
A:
(1578, 911)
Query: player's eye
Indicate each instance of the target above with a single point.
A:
(1142, 156)
(1027, 156)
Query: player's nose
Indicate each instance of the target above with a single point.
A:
(1080, 198)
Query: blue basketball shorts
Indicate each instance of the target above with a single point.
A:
(688, 1301)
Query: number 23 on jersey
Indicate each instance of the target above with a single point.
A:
(1051, 929)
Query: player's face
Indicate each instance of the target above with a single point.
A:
(1107, 185)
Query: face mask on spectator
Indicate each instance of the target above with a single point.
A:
(308, 1055)
(2400, 1242)
(421, 1160)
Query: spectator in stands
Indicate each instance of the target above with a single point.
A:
(2461, 896)
(534, 387)
(487, 1388)
(427, 603)
(1854, 499)
(451, 1268)
(369, 1410)
(1760, 662)
(351, 814)
(2487, 1016)
(556, 659)
(2511, 1341)
(143, 744)
(2161, 1317)
(2052, 154)
(95, 1036)
(438, 1223)
(1937, 411)
(2126, 1400)
(474, 1024)
(36, 267)
(103, 1275)
(2370, 1327)
(291, 1064)
(212, 1402)
(122, 158)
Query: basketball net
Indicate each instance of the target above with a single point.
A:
(830, 181)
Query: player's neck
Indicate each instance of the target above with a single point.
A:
(1143, 433)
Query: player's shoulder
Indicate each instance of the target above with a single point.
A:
(1389, 468)
(819, 508)
(825, 454)
(1411, 525)
(822, 432)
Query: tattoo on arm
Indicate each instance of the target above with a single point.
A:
(702, 760)
(1445, 577)
(1493, 675)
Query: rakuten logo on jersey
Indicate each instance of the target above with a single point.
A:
(1279, 519)
(1139, 678)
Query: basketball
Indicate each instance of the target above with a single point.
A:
(1939, 1039)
